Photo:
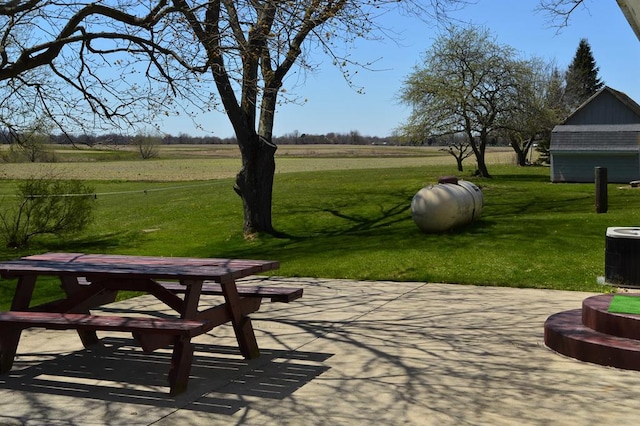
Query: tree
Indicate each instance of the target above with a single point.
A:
(537, 108)
(75, 64)
(178, 49)
(554, 100)
(459, 147)
(560, 11)
(468, 81)
(582, 79)
(31, 143)
(147, 145)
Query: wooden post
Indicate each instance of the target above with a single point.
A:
(601, 190)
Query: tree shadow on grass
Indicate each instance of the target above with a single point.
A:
(525, 177)
(539, 205)
(387, 216)
(351, 222)
(96, 243)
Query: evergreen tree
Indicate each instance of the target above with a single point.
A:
(582, 79)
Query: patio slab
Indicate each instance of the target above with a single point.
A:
(348, 352)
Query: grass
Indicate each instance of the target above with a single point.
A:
(198, 162)
(356, 224)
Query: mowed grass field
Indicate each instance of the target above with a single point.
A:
(345, 212)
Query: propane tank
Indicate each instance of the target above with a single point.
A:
(451, 203)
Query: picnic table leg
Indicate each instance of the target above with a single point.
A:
(70, 286)
(241, 323)
(10, 338)
(191, 298)
(182, 356)
(181, 361)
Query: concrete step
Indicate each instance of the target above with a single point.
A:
(595, 315)
(565, 333)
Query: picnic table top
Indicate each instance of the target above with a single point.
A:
(124, 266)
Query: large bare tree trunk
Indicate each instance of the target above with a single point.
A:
(254, 184)
(459, 161)
(479, 151)
(482, 167)
(262, 72)
(522, 151)
(521, 155)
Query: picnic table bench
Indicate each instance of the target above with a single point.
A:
(275, 294)
(92, 280)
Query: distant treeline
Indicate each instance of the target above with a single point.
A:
(295, 138)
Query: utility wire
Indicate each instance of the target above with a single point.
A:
(137, 191)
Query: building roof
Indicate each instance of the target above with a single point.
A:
(623, 98)
(594, 138)
(571, 128)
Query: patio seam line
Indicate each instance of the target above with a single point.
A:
(351, 321)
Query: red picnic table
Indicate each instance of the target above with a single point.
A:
(92, 280)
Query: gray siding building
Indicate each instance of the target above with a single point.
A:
(602, 132)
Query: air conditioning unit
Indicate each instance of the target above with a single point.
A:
(622, 257)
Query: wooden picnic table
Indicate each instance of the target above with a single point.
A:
(92, 280)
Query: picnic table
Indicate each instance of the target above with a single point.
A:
(92, 280)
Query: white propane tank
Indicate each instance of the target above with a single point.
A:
(438, 208)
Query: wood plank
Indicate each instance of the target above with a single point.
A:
(97, 271)
(241, 323)
(238, 268)
(276, 294)
(9, 339)
(181, 361)
(66, 321)
(24, 292)
(214, 316)
(70, 287)
(150, 260)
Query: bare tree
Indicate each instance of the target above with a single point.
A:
(75, 62)
(130, 62)
(468, 81)
(31, 143)
(147, 145)
(459, 147)
(560, 11)
(251, 47)
(538, 106)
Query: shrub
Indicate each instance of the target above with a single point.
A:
(147, 146)
(46, 206)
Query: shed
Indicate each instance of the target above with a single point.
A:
(602, 132)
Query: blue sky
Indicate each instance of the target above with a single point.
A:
(333, 106)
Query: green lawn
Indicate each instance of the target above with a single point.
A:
(357, 224)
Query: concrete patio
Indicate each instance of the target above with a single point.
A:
(348, 352)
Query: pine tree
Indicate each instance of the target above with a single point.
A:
(582, 79)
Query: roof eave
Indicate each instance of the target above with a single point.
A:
(631, 11)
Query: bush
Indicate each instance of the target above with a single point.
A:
(28, 153)
(46, 206)
(147, 146)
